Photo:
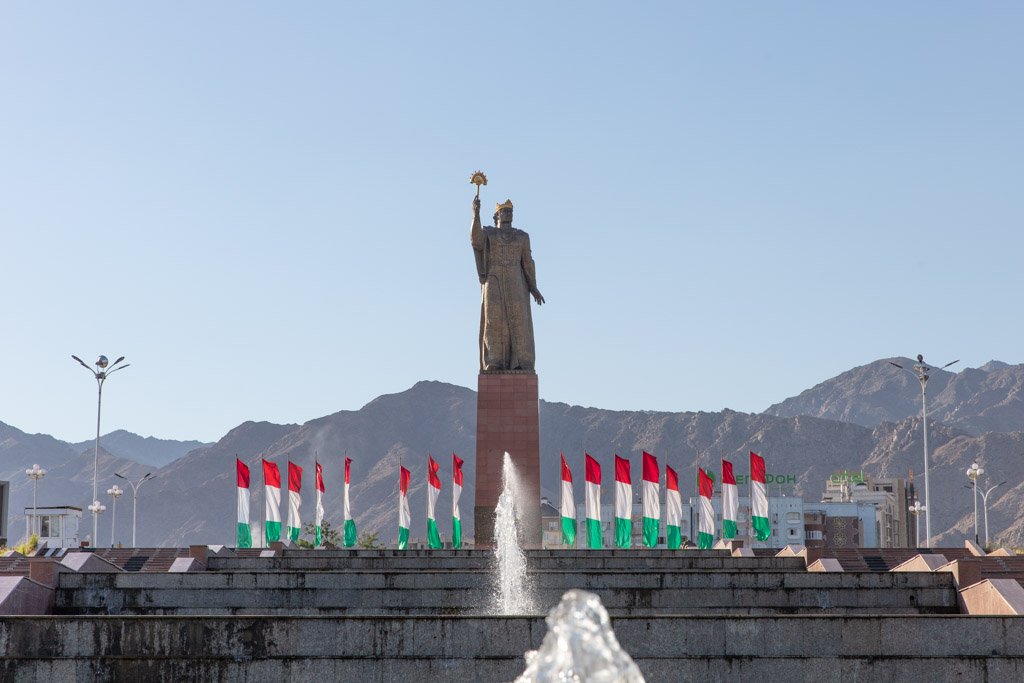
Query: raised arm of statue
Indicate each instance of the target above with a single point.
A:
(476, 232)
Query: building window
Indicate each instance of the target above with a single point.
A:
(794, 517)
(49, 526)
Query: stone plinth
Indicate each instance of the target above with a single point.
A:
(507, 419)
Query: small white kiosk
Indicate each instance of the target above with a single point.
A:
(57, 526)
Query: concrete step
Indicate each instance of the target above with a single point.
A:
(440, 648)
(328, 560)
(467, 592)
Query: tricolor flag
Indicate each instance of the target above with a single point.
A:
(706, 532)
(623, 504)
(272, 497)
(404, 518)
(652, 504)
(244, 534)
(592, 474)
(433, 491)
(456, 494)
(319, 504)
(568, 507)
(350, 524)
(673, 510)
(759, 498)
(730, 501)
(294, 501)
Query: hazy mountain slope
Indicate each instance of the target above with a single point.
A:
(147, 450)
(977, 400)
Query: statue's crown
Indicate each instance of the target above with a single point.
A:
(506, 205)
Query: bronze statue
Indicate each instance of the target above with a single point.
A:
(507, 280)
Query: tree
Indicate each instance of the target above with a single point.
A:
(368, 541)
(330, 535)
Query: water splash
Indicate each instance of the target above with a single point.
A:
(512, 592)
(580, 646)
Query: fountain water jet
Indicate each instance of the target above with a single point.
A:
(512, 592)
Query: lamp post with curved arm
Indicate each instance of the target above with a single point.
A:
(135, 496)
(921, 371)
(100, 375)
(984, 505)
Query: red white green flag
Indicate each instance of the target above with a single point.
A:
(319, 504)
(730, 501)
(706, 531)
(651, 499)
(244, 533)
(759, 498)
(593, 499)
(294, 501)
(623, 504)
(456, 494)
(568, 507)
(433, 491)
(673, 510)
(272, 498)
(404, 518)
(350, 524)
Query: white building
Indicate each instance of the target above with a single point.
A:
(57, 526)
(785, 513)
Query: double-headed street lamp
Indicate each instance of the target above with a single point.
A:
(135, 496)
(921, 371)
(101, 376)
(984, 504)
(916, 509)
(973, 472)
(35, 473)
(114, 492)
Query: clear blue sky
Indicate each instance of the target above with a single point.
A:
(266, 206)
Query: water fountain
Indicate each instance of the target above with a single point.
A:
(512, 592)
(580, 646)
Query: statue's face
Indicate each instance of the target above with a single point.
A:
(504, 216)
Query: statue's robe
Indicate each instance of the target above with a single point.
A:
(507, 276)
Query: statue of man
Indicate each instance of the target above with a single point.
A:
(507, 280)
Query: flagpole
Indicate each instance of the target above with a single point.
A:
(263, 508)
(237, 521)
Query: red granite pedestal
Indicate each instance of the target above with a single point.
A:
(507, 419)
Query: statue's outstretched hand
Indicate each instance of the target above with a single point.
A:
(537, 297)
(476, 206)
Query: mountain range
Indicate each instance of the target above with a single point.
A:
(866, 418)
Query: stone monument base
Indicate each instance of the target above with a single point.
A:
(507, 419)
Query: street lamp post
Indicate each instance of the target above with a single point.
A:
(916, 509)
(35, 473)
(114, 492)
(135, 496)
(984, 505)
(921, 371)
(973, 472)
(96, 509)
(101, 376)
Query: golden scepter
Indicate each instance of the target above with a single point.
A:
(478, 178)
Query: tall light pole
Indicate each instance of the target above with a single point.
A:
(916, 509)
(96, 508)
(973, 472)
(921, 371)
(114, 492)
(135, 496)
(101, 376)
(35, 473)
(984, 504)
